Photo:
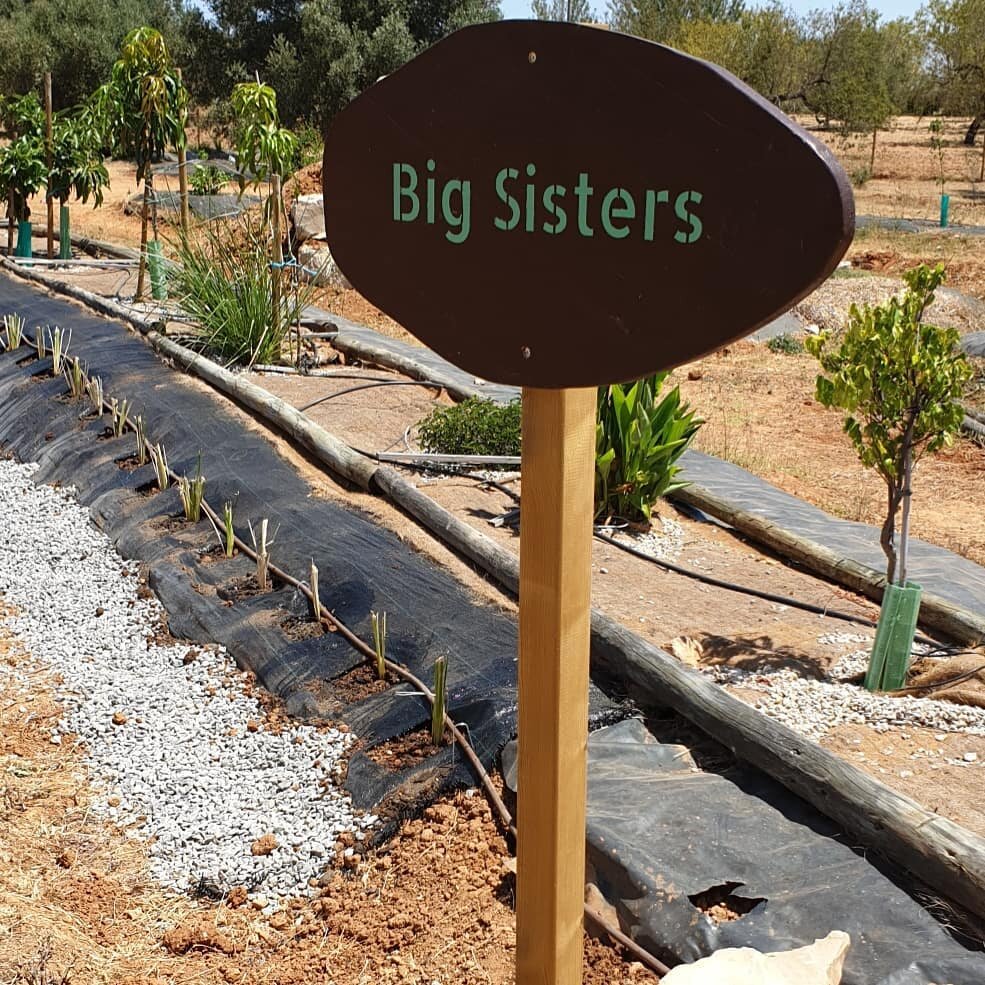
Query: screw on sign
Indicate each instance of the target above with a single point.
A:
(560, 207)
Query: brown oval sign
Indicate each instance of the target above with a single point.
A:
(553, 205)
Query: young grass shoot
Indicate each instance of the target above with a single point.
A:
(58, 341)
(261, 546)
(76, 378)
(378, 620)
(14, 327)
(440, 705)
(159, 459)
(192, 492)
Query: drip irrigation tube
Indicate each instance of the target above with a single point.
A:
(369, 386)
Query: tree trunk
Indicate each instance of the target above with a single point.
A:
(887, 537)
(872, 155)
(972, 132)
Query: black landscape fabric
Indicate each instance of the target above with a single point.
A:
(363, 566)
(661, 831)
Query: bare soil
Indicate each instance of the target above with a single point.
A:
(76, 897)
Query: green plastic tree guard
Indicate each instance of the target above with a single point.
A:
(890, 660)
(23, 248)
(155, 266)
(64, 234)
(945, 205)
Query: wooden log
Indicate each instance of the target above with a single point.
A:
(944, 855)
(502, 564)
(954, 621)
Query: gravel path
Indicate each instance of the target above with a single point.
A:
(813, 706)
(180, 753)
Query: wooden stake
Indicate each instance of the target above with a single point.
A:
(872, 155)
(277, 253)
(981, 174)
(49, 153)
(183, 175)
(555, 597)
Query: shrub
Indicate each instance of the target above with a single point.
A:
(223, 280)
(637, 442)
(860, 176)
(786, 343)
(473, 427)
(206, 179)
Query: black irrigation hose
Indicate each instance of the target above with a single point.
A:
(710, 579)
(368, 386)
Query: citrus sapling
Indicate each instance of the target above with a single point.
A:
(58, 340)
(378, 620)
(141, 440)
(160, 460)
(192, 491)
(76, 378)
(14, 326)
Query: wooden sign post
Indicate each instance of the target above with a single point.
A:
(560, 208)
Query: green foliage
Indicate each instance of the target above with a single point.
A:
(473, 427)
(144, 106)
(76, 40)
(787, 344)
(206, 179)
(192, 492)
(263, 146)
(77, 167)
(899, 381)
(223, 280)
(638, 440)
(573, 11)
(955, 33)
(860, 176)
(22, 173)
(661, 20)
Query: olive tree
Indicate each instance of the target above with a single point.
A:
(898, 379)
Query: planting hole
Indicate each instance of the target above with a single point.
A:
(720, 904)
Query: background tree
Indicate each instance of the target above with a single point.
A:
(574, 11)
(662, 20)
(76, 40)
(955, 32)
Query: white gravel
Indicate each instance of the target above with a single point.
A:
(188, 773)
(814, 706)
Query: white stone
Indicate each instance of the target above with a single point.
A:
(819, 963)
(308, 215)
(316, 257)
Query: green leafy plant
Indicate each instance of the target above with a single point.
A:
(263, 146)
(473, 427)
(378, 620)
(227, 525)
(207, 179)
(638, 440)
(39, 344)
(787, 344)
(22, 161)
(192, 492)
(141, 440)
(120, 410)
(76, 378)
(144, 107)
(899, 381)
(59, 340)
(77, 168)
(222, 279)
(439, 707)
(159, 459)
(14, 327)
(94, 388)
(261, 547)
(860, 176)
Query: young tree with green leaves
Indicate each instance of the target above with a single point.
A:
(77, 169)
(899, 380)
(22, 163)
(144, 108)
